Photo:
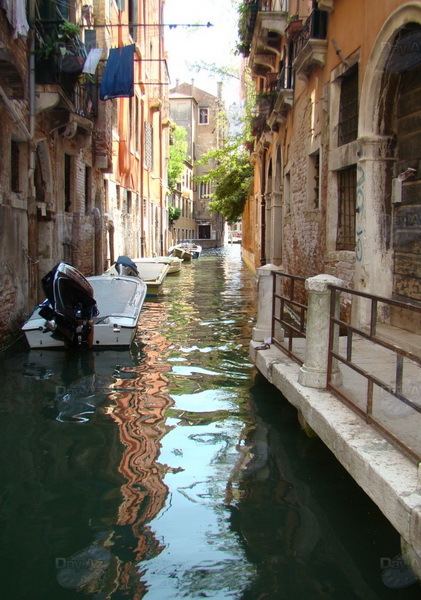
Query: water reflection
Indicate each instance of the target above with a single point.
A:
(172, 471)
(300, 517)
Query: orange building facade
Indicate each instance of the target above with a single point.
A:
(336, 151)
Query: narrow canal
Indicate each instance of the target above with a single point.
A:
(174, 471)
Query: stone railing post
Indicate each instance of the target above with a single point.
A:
(263, 328)
(313, 373)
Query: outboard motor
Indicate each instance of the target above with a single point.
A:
(70, 306)
(125, 266)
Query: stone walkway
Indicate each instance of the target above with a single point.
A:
(384, 472)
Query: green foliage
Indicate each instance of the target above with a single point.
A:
(230, 170)
(233, 176)
(63, 40)
(247, 11)
(174, 213)
(233, 189)
(178, 155)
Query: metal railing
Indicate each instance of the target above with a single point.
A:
(381, 380)
(289, 312)
(315, 27)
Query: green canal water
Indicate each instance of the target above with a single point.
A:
(174, 470)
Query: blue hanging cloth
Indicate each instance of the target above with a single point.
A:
(118, 78)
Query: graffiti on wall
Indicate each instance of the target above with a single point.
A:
(359, 209)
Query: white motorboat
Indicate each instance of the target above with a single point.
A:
(173, 261)
(186, 250)
(152, 273)
(85, 312)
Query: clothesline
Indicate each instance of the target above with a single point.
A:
(98, 25)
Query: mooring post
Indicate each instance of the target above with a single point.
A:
(263, 328)
(313, 372)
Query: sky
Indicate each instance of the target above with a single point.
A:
(187, 46)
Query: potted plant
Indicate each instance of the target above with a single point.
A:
(64, 47)
(294, 25)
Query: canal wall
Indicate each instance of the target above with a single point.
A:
(387, 476)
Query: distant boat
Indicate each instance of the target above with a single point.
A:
(173, 261)
(152, 273)
(85, 312)
(186, 250)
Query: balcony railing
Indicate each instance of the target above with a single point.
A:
(85, 99)
(285, 78)
(249, 17)
(274, 5)
(315, 27)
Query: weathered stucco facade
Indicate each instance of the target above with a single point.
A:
(202, 115)
(81, 179)
(337, 154)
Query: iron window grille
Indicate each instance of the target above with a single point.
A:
(348, 108)
(347, 193)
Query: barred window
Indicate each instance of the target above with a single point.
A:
(148, 146)
(348, 107)
(14, 167)
(313, 186)
(68, 187)
(118, 196)
(347, 194)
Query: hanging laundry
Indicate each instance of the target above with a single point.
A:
(16, 15)
(118, 78)
(92, 61)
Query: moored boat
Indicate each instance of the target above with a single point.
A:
(85, 312)
(174, 262)
(186, 250)
(152, 273)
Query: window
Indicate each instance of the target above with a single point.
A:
(204, 116)
(313, 182)
(15, 167)
(148, 146)
(67, 182)
(118, 196)
(136, 123)
(133, 19)
(287, 193)
(88, 189)
(54, 9)
(129, 202)
(204, 189)
(347, 193)
(348, 107)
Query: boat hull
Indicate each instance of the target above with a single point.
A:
(186, 250)
(119, 300)
(152, 273)
(174, 262)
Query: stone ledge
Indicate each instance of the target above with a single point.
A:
(387, 476)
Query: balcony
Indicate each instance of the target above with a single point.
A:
(270, 24)
(261, 26)
(311, 44)
(283, 93)
(262, 112)
(61, 89)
